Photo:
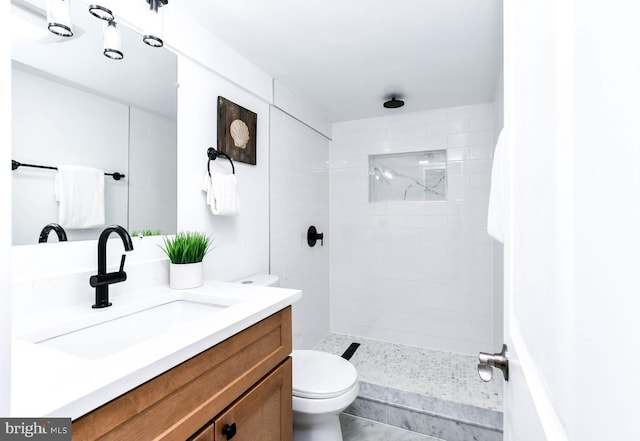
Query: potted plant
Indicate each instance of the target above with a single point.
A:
(185, 251)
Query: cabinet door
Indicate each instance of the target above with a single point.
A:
(264, 413)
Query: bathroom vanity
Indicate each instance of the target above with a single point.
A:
(210, 363)
(240, 389)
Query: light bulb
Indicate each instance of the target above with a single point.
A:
(101, 12)
(112, 45)
(59, 17)
(154, 24)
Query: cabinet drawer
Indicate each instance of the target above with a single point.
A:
(205, 434)
(264, 413)
(177, 403)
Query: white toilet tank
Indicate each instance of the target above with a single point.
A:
(260, 279)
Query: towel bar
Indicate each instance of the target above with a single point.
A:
(15, 164)
(212, 154)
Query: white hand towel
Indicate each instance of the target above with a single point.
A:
(80, 193)
(222, 193)
(495, 218)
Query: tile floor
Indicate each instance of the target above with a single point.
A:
(444, 375)
(360, 429)
(417, 394)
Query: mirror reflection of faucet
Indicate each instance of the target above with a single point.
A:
(44, 234)
(102, 280)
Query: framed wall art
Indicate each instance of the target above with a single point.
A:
(236, 131)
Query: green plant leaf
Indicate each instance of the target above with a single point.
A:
(187, 247)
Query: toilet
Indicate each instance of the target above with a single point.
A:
(323, 386)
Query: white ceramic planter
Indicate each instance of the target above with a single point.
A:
(185, 276)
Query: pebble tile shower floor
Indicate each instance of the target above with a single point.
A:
(429, 392)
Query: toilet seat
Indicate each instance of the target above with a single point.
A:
(320, 375)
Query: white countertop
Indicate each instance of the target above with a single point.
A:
(49, 382)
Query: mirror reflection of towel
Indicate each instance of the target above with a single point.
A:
(222, 193)
(80, 193)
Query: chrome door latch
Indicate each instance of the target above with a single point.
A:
(489, 361)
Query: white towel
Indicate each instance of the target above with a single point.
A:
(80, 193)
(495, 218)
(222, 193)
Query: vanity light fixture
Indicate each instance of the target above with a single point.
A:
(101, 12)
(154, 23)
(112, 44)
(59, 17)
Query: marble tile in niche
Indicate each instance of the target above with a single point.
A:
(417, 176)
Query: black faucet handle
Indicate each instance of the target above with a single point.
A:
(124, 256)
(313, 236)
(107, 279)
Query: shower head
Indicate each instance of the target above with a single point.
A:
(393, 103)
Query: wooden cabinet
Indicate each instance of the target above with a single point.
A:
(244, 380)
(263, 413)
(206, 434)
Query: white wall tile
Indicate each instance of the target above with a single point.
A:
(480, 123)
(470, 139)
(415, 273)
(457, 153)
(300, 198)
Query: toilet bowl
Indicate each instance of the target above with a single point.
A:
(323, 386)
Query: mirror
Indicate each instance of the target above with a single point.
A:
(71, 105)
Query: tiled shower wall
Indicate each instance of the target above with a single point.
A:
(299, 198)
(415, 273)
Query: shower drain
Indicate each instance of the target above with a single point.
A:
(350, 351)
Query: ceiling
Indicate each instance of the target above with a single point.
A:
(346, 57)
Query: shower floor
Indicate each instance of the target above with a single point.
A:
(434, 393)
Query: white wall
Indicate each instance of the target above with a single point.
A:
(242, 241)
(152, 172)
(300, 198)
(57, 275)
(287, 101)
(5, 218)
(208, 68)
(45, 116)
(417, 273)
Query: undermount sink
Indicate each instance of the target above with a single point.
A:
(117, 334)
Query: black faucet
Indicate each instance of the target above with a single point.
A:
(44, 234)
(102, 280)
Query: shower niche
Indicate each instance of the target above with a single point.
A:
(415, 176)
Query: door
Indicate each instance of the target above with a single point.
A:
(572, 241)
